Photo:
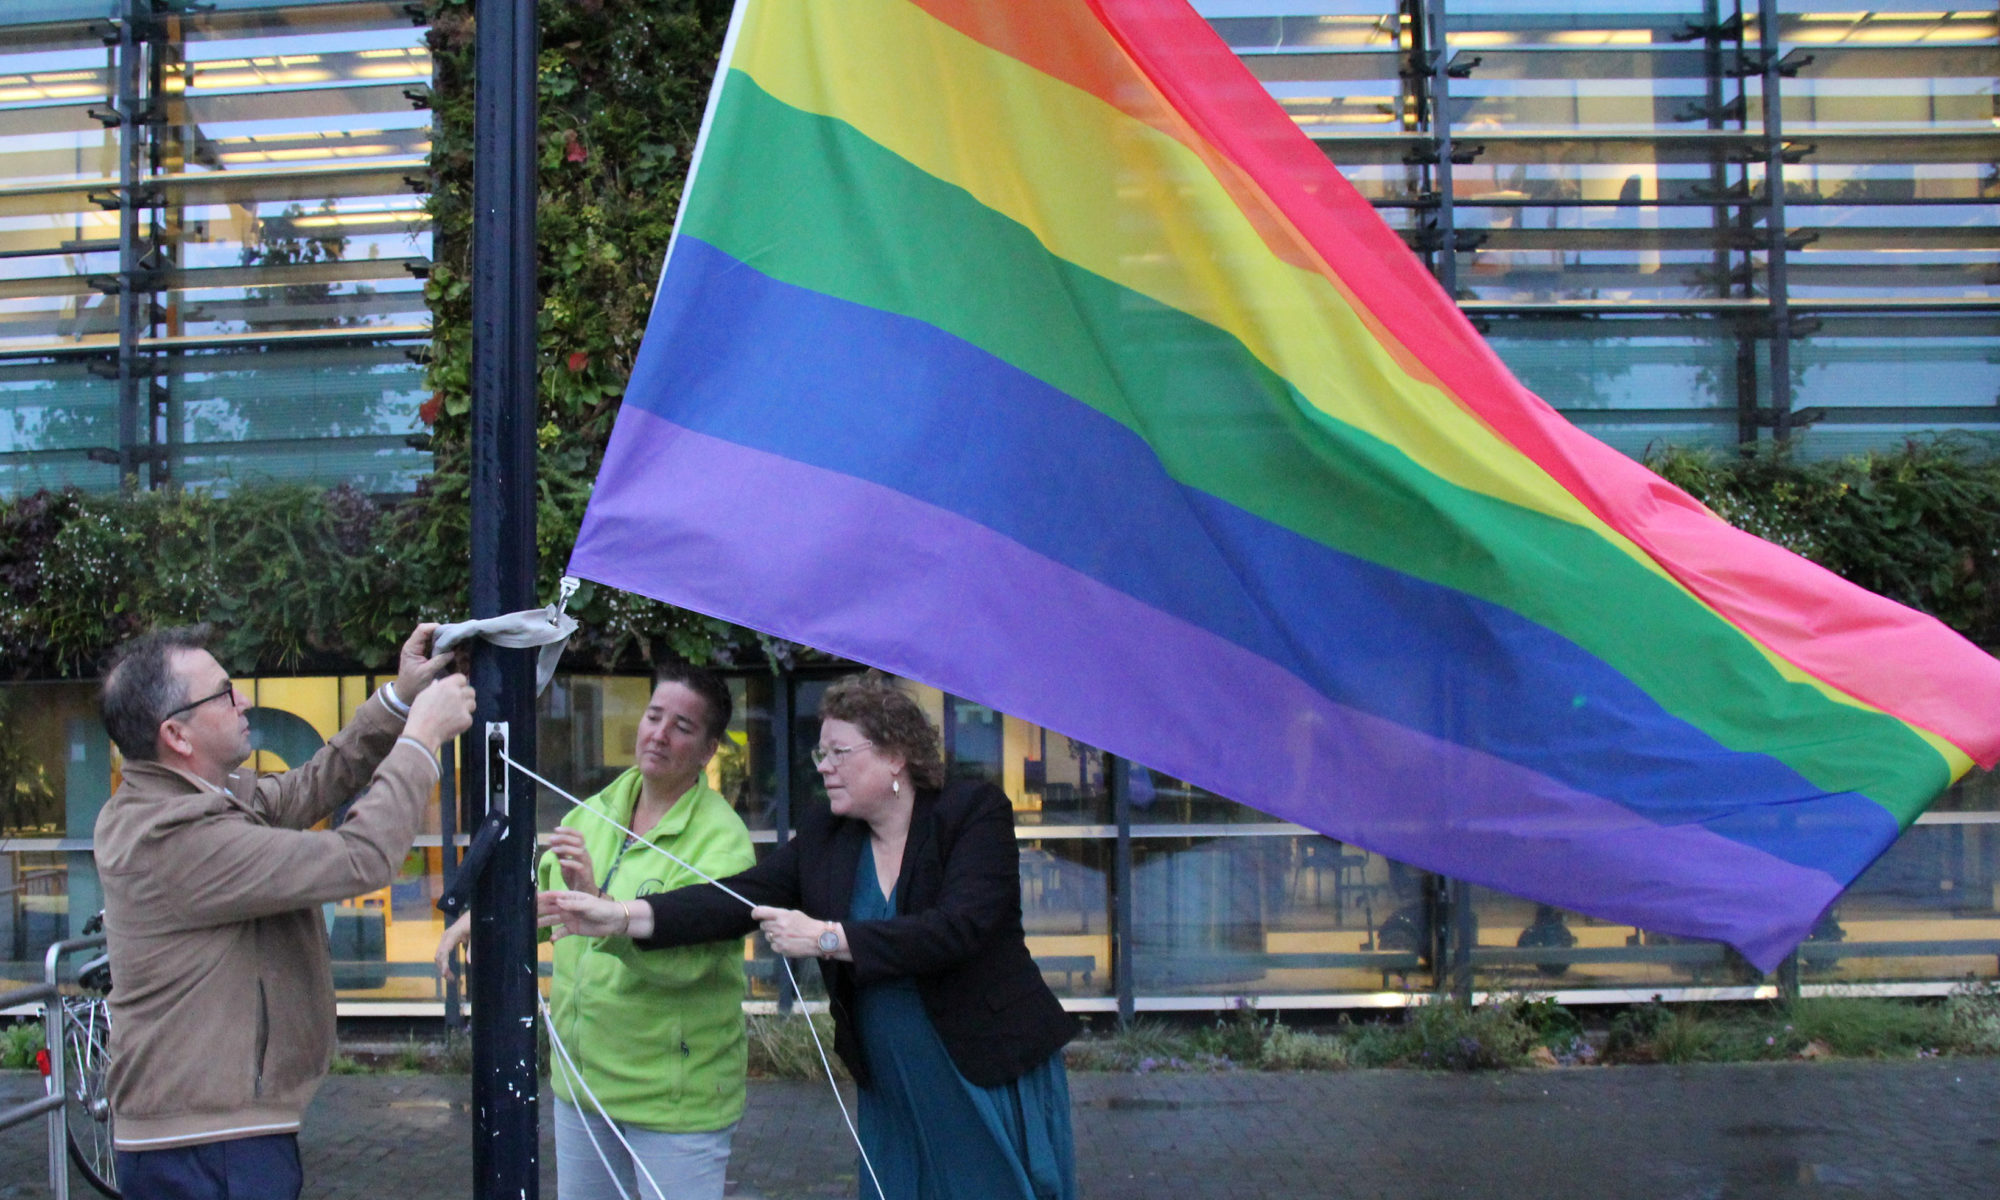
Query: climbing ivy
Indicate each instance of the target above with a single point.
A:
(621, 85)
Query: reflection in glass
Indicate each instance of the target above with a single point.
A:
(1065, 910)
(1160, 799)
(1630, 364)
(1274, 915)
(1926, 910)
(588, 726)
(1978, 791)
(1901, 361)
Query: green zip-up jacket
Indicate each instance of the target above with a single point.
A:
(658, 1035)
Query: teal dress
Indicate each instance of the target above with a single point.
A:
(931, 1133)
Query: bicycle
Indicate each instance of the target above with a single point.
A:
(86, 1051)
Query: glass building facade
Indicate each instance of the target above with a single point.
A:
(1698, 222)
(212, 242)
(1693, 222)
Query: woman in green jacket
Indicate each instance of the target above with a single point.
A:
(658, 1037)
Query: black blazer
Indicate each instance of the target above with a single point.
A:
(957, 928)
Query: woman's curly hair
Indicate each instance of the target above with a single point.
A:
(886, 716)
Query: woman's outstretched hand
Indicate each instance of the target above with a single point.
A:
(578, 872)
(793, 934)
(453, 938)
(566, 913)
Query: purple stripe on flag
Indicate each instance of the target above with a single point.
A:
(927, 594)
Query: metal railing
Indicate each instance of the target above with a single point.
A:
(51, 1105)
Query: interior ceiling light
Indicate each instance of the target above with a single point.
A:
(69, 91)
(323, 220)
(250, 79)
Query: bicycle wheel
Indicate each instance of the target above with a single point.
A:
(86, 1055)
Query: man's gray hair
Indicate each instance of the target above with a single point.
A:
(141, 688)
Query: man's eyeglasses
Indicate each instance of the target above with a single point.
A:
(228, 689)
(822, 755)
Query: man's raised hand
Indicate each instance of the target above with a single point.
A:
(442, 712)
(416, 667)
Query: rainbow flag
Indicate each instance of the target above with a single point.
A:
(1027, 349)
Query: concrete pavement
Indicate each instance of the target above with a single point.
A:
(1771, 1131)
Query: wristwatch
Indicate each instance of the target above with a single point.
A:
(829, 939)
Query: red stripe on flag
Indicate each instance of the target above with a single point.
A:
(1901, 661)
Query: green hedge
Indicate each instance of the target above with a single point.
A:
(1920, 525)
(294, 579)
(302, 580)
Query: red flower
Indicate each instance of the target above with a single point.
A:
(578, 360)
(427, 412)
(573, 148)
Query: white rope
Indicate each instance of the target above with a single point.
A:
(576, 1077)
(818, 1045)
(637, 837)
(828, 1068)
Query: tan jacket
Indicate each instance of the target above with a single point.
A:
(222, 997)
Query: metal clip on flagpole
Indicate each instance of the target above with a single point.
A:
(569, 585)
(492, 830)
(515, 629)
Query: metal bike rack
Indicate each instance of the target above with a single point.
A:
(51, 1103)
(49, 996)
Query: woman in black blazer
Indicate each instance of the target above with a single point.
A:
(939, 1010)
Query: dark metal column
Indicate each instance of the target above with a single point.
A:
(165, 417)
(503, 985)
(1733, 216)
(1438, 59)
(1459, 940)
(448, 799)
(1776, 285)
(1448, 902)
(133, 437)
(1787, 976)
(1118, 774)
(784, 702)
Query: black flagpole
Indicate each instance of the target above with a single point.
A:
(505, 1144)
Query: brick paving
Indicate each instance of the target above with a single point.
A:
(1776, 1131)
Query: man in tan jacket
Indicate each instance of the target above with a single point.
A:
(222, 1016)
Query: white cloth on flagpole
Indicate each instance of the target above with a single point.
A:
(550, 628)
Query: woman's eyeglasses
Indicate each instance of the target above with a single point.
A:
(228, 689)
(822, 755)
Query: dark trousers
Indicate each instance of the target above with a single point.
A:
(255, 1168)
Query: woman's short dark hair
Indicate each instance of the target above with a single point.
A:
(705, 683)
(141, 688)
(886, 716)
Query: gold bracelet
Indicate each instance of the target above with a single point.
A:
(624, 908)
